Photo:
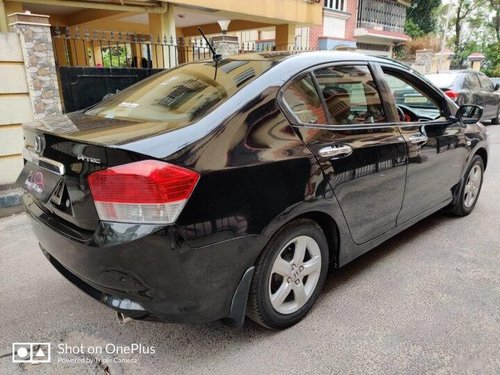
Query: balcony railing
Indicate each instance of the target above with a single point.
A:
(386, 15)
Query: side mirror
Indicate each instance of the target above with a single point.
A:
(469, 114)
(497, 86)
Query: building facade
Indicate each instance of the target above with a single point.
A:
(121, 34)
(368, 26)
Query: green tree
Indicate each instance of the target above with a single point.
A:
(466, 13)
(494, 6)
(114, 57)
(421, 17)
(491, 66)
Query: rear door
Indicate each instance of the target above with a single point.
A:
(471, 90)
(491, 97)
(436, 145)
(362, 157)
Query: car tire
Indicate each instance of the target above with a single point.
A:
(470, 188)
(496, 120)
(289, 275)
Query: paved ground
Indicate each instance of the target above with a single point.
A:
(427, 301)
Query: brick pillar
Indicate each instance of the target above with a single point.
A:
(38, 54)
(351, 23)
(315, 32)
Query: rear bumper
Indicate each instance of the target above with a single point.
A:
(149, 271)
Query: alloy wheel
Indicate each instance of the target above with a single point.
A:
(472, 186)
(294, 274)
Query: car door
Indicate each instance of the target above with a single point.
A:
(436, 145)
(491, 98)
(337, 111)
(470, 93)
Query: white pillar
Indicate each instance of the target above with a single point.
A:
(4, 28)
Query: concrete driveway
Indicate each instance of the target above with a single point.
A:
(427, 301)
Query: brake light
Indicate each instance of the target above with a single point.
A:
(148, 191)
(453, 95)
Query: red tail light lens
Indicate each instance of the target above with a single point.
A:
(453, 95)
(148, 191)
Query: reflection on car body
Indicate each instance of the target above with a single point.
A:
(221, 196)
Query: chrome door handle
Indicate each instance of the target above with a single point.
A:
(335, 151)
(418, 139)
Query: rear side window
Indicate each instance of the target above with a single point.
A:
(486, 83)
(350, 95)
(181, 95)
(304, 102)
(471, 81)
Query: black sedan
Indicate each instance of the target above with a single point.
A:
(215, 191)
(470, 87)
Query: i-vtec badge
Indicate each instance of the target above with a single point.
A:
(89, 159)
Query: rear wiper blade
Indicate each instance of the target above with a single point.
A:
(216, 57)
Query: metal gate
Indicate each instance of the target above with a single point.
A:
(91, 65)
(82, 87)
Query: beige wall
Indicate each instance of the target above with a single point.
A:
(293, 11)
(15, 107)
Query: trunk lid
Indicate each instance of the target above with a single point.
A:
(55, 175)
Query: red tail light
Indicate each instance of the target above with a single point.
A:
(453, 95)
(148, 191)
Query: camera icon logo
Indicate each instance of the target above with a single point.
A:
(31, 352)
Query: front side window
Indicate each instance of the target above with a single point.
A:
(411, 100)
(304, 102)
(350, 95)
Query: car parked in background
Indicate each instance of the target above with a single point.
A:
(214, 184)
(470, 87)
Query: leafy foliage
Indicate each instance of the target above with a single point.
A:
(474, 31)
(115, 57)
(421, 17)
(491, 66)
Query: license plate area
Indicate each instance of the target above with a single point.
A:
(38, 181)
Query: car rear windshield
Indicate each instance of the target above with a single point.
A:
(181, 95)
(443, 80)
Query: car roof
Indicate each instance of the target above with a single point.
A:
(328, 56)
(458, 71)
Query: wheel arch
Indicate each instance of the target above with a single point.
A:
(484, 155)
(327, 224)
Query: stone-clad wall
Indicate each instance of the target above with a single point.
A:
(36, 42)
(28, 86)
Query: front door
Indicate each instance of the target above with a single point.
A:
(362, 157)
(436, 144)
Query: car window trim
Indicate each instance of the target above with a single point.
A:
(310, 70)
(369, 65)
(282, 104)
(449, 118)
(393, 124)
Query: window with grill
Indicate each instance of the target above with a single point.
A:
(336, 4)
